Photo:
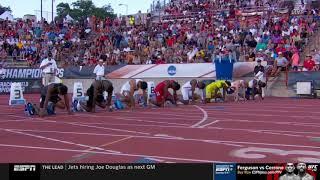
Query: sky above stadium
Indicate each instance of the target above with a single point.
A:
(21, 7)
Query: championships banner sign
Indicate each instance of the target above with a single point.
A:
(31, 78)
(151, 170)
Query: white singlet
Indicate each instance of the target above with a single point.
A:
(126, 87)
(186, 91)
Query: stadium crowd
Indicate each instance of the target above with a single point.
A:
(269, 37)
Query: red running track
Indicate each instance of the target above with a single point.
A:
(273, 130)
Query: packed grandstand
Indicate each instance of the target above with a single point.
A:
(201, 81)
(180, 31)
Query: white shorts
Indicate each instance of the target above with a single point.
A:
(186, 94)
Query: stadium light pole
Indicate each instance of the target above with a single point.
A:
(52, 3)
(41, 10)
(126, 5)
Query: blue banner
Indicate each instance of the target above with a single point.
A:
(224, 68)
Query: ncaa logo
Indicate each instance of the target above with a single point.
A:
(172, 70)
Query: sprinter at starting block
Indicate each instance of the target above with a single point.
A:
(162, 93)
(188, 91)
(213, 90)
(255, 89)
(128, 90)
(95, 93)
(52, 96)
(238, 90)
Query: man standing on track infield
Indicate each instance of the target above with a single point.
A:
(163, 94)
(49, 69)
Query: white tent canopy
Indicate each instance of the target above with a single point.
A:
(7, 15)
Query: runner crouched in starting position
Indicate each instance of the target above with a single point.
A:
(188, 91)
(238, 89)
(128, 90)
(50, 99)
(95, 93)
(254, 88)
(213, 90)
(163, 94)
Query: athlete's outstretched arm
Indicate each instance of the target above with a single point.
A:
(193, 89)
(109, 98)
(66, 101)
(145, 96)
(132, 90)
(165, 93)
(95, 94)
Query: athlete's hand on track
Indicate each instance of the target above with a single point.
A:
(42, 112)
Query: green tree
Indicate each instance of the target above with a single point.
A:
(82, 9)
(63, 9)
(4, 9)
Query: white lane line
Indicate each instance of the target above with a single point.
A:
(282, 132)
(205, 125)
(166, 136)
(205, 116)
(104, 145)
(292, 123)
(131, 119)
(214, 141)
(113, 129)
(90, 126)
(293, 135)
(192, 139)
(60, 141)
(109, 153)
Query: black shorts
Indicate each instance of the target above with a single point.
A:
(282, 68)
(99, 98)
(255, 91)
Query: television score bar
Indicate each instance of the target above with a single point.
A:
(85, 171)
(94, 167)
(147, 171)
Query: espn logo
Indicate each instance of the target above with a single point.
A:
(224, 169)
(24, 168)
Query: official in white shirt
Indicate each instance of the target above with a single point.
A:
(49, 69)
(99, 71)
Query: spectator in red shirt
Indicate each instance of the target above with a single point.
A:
(309, 64)
(160, 60)
(280, 48)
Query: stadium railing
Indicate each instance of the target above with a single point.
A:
(274, 78)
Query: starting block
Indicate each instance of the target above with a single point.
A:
(78, 96)
(78, 92)
(151, 92)
(16, 95)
